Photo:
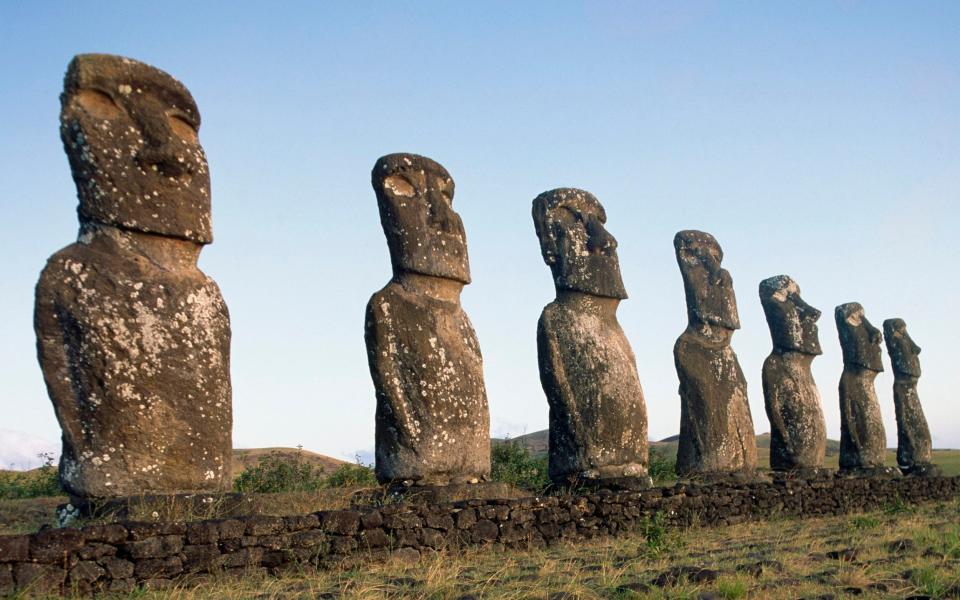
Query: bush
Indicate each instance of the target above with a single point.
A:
(44, 481)
(510, 462)
(352, 475)
(661, 467)
(278, 473)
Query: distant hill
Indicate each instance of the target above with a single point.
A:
(538, 442)
(250, 457)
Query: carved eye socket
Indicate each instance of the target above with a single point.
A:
(399, 186)
(182, 129)
(97, 104)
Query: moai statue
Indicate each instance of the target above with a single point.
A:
(914, 446)
(716, 428)
(863, 440)
(133, 339)
(432, 421)
(598, 419)
(798, 431)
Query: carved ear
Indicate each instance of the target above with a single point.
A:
(398, 185)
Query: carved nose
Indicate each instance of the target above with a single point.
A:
(598, 238)
(165, 158)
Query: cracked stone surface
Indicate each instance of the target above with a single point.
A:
(133, 339)
(716, 428)
(598, 418)
(432, 419)
(798, 431)
(863, 440)
(914, 446)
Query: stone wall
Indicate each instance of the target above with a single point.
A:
(121, 556)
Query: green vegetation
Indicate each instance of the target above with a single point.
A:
(37, 483)
(282, 473)
(662, 466)
(510, 462)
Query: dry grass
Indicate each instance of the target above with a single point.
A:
(893, 553)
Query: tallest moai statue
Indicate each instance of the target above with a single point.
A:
(716, 428)
(133, 339)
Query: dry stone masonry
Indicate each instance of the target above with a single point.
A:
(716, 428)
(798, 431)
(133, 339)
(432, 420)
(598, 419)
(122, 556)
(863, 441)
(914, 446)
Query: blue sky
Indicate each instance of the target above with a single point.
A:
(816, 139)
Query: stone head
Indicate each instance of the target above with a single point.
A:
(708, 287)
(130, 133)
(580, 252)
(792, 322)
(904, 353)
(424, 234)
(859, 339)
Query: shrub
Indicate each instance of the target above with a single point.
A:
(510, 462)
(654, 529)
(278, 473)
(661, 467)
(44, 481)
(352, 475)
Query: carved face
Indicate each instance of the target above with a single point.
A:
(859, 339)
(708, 287)
(904, 353)
(581, 253)
(130, 132)
(425, 235)
(792, 322)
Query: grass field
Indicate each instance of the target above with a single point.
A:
(900, 552)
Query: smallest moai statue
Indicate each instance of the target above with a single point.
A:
(914, 447)
(863, 440)
(598, 419)
(798, 432)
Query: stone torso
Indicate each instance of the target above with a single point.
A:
(862, 437)
(598, 424)
(914, 446)
(798, 436)
(432, 421)
(716, 429)
(136, 357)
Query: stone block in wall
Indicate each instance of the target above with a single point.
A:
(204, 532)
(342, 522)
(158, 568)
(6, 579)
(402, 521)
(407, 537)
(38, 578)
(301, 522)
(95, 550)
(154, 547)
(441, 521)
(117, 568)
(55, 545)
(371, 520)
(200, 557)
(263, 525)
(142, 531)
(110, 533)
(14, 548)
(245, 557)
(465, 518)
(85, 572)
(485, 530)
(341, 544)
(230, 529)
(309, 538)
(374, 538)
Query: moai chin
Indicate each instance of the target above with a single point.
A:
(133, 339)
(432, 420)
(598, 419)
(798, 431)
(716, 428)
(914, 446)
(863, 440)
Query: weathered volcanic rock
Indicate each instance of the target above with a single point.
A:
(798, 431)
(598, 419)
(133, 339)
(716, 428)
(432, 421)
(914, 446)
(862, 437)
